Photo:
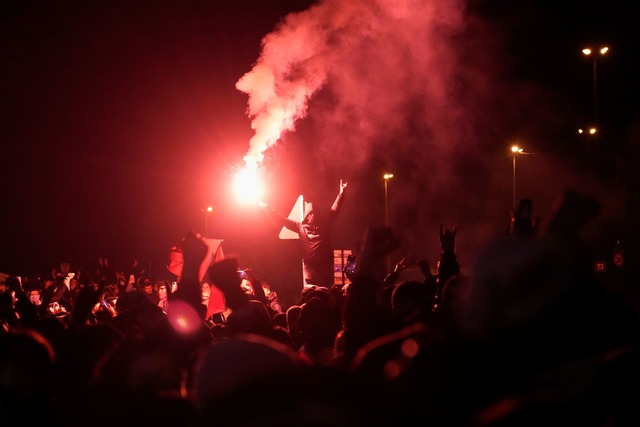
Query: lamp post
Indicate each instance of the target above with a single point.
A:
(387, 177)
(590, 132)
(515, 150)
(206, 211)
(594, 54)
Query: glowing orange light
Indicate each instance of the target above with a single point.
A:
(183, 318)
(592, 131)
(516, 149)
(248, 186)
(588, 51)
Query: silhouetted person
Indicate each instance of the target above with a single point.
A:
(314, 232)
(320, 324)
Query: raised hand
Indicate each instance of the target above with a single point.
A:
(448, 238)
(401, 265)
(343, 185)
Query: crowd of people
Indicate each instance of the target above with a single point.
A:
(528, 337)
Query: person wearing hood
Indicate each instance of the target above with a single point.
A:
(314, 233)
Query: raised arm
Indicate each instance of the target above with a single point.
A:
(448, 265)
(338, 202)
(277, 218)
(194, 250)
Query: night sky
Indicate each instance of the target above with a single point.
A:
(121, 121)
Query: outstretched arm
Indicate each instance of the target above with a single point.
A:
(277, 218)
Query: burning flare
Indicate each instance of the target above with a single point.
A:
(248, 185)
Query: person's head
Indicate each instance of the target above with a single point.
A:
(293, 318)
(314, 292)
(251, 318)
(319, 323)
(309, 214)
(27, 376)
(147, 287)
(34, 296)
(162, 290)
(411, 301)
(205, 291)
(310, 218)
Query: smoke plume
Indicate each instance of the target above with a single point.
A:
(421, 88)
(378, 56)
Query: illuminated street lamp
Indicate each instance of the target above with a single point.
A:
(594, 54)
(515, 150)
(387, 177)
(206, 211)
(589, 132)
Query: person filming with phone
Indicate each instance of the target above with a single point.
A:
(314, 232)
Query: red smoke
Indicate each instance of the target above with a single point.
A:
(420, 88)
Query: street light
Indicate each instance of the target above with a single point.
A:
(206, 211)
(387, 177)
(594, 54)
(590, 132)
(515, 150)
